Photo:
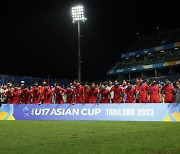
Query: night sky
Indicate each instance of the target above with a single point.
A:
(40, 38)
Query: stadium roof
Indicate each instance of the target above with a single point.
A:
(162, 38)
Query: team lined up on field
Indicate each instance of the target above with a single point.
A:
(104, 93)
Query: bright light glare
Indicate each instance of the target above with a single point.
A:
(78, 14)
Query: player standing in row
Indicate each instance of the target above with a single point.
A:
(78, 93)
(117, 90)
(109, 87)
(58, 92)
(25, 96)
(86, 93)
(69, 95)
(36, 94)
(16, 94)
(9, 95)
(130, 93)
(46, 95)
(154, 92)
(124, 86)
(93, 93)
(168, 91)
(42, 87)
(104, 94)
(141, 91)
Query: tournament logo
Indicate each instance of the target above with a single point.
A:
(26, 111)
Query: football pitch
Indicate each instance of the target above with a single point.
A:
(89, 137)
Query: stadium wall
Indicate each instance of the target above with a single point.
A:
(106, 112)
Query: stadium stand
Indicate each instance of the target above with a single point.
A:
(30, 80)
(156, 56)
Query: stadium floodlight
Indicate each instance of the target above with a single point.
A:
(77, 17)
(78, 14)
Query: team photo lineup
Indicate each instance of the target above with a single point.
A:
(105, 92)
(90, 77)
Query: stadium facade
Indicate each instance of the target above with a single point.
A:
(156, 56)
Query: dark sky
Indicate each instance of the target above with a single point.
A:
(40, 38)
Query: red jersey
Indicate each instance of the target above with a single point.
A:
(86, 95)
(104, 95)
(36, 96)
(16, 96)
(92, 95)
(9, 96)
(142, 92)
(47, 95)
(78, 94)
(168, 91)
(25, 96)
(154, 93)
(41, 89)
(137, 87)
(130, 92)
(117, 94)
(59, 95)
(69, 96)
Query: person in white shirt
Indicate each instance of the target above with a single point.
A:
(110, 85)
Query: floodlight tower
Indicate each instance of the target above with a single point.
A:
(78, 16)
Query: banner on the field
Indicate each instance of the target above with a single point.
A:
(113, 112)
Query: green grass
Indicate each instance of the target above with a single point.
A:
(89, 137)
